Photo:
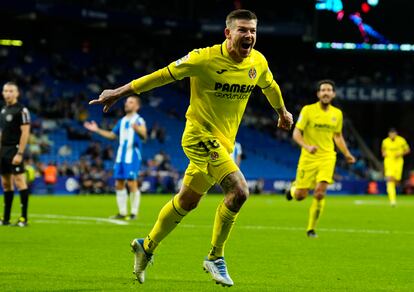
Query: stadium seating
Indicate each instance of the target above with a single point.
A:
(264, 155)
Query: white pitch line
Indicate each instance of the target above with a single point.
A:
(286, 228)
(80, 218)
(382, 202)
(85, 220)
(51, 221)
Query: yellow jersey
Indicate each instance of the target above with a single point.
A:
(220, 89)
(318, 127)
(394, 149)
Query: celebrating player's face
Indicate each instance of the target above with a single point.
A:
(10, 93)
(326, 93)
(242, 38)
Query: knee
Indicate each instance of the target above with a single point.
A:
(188, 200)
(188, 205)
(119, 185)
(236, 198)
(319, 195)
(132, 186)
(241, 195)
(301, 194)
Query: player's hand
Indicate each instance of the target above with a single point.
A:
(17, 159)
(311, 149)
(91, 126)
(108, 97)
(350, 158)
(285, 120)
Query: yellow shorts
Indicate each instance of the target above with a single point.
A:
(393, 168)
(209, 164)
(310, 171)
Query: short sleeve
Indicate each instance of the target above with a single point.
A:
(140, 121)
(266, 78)
(303, 119)
(117, 127)
(338, 128)
(189, 65)
(25, 116)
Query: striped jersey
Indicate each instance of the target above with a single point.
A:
(130, 144)
(237, 151)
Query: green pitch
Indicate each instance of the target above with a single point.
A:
(363, 245)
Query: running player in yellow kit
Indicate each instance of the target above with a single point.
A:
(222, 78)
(393, 149)
(318, 129)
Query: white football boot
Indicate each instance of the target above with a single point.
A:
(218, 271)
(141, 259)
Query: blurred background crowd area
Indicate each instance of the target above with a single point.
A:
(72, 50)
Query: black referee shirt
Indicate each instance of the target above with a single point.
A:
(11, 118)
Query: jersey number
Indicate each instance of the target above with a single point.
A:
(211, 144)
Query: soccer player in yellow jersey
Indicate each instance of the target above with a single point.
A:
(222, 78)
(393, 149)
(318, 129)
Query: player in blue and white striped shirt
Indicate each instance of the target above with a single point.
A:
(237, 153)
(130, 130)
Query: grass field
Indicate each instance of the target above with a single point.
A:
(363, 245)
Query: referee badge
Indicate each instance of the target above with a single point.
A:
(214, 155)
(9, 118)
(252, 73)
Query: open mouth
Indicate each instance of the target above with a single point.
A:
(245, 45)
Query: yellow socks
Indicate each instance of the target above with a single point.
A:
(392, 192)
(169, 217)
(315, 212)
(223, 223)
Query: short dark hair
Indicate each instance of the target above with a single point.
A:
(240, 14)
(136, 97)
(11, 83)
(392, 130)
(325, 81)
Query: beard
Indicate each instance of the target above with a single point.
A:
(326, 100)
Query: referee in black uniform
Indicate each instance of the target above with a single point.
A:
(15, 131)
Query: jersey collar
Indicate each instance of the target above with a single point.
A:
(318, 104)
(225, 53)
(223, 49)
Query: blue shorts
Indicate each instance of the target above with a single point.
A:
(127, 171)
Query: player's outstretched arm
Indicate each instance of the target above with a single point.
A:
(145, 83)
(109, 97)
(341, 144)
(93, 127)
